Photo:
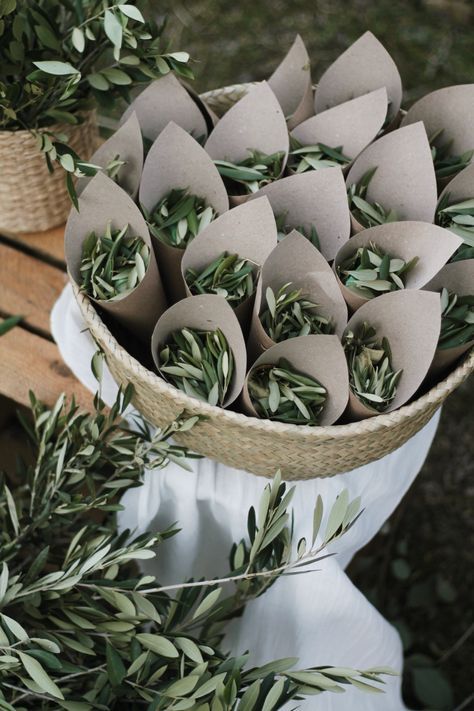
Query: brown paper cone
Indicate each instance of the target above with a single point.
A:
(432, 245)
(176, 160)
(316, 198)
(411, 322)
(405, 179)
(166, 100)
(101, 202)
(248, 230)
(461, 187)
(291, 84)
(297, 261)
(364, 66)
(352, 125)
(320, 357)
(205, 312)
(127, 144)
(457, 277)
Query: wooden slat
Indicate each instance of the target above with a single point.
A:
(29, 362)
(28, 287)
(49, 245)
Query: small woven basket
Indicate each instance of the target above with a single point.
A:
(31, 198)
(261, 446)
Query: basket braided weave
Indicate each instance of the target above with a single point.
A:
(262, 446)
(31, 198)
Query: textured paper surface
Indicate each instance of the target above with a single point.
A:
(461, 187)
(297, 261)
(320, 357)
(432, 245)
(127, 144)
(101, 202)
(317, 197)
(405, 179)
(256, 122)
(291, 84)
(166, 100)
(205, 312)
(411, 321)
(457, 277)
(352, 125)
(364, 66)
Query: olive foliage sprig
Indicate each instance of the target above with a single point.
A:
(280, 393)
(113, 263)
(371, 271)
(458, 218)
(229, 276)
(288, 314)
(315, 157)
(283, 229)
(179, 217)
(200, 363)
(251, 174)
(446, 163)
(366, 213)
(371, 376)
(457, 319)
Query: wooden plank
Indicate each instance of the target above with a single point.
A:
(49, 245)
(30, 362)
(28, 287)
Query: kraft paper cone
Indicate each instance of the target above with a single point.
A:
(291, 84)
(352, 125)
(248, 230)
(411, 322)
(363, 67)
(127, 144)
(176, 160)
(405, 179)
(457, 277)
(166, 100)
(297, 261)
(101, 202)
(256, 122)
(320, 357)
(461, 187)
(432, 245)
(205, 312)
(316, 198)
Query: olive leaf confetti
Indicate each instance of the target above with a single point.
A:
(283, 230)
(457, 319)
(458, 218)
(366, 213)
(371, 271)
(251, 174)
(289, 314)
(315, 157)
(113, 264)
(447, 164)
(371, 376)
(229, 276)
(200, 363)
(279, 393)
(179, 217)
(113, 167)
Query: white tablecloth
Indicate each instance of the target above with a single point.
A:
(319, 617)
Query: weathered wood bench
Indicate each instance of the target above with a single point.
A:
(32, 275)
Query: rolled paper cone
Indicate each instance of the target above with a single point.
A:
(451, 110)
(352, 125)
(249, 231)
(205, 312)
(356, 227)
(457, 277)
(319, 357)
(363, 67)
(292, 86)
(209, 116)
(166, 100)
(316, 199)
(411, 322)
(177, 161)
(297, 261)
(432, 245)
(461, 187)
(103, 201)
(404, 180)
(255, 122)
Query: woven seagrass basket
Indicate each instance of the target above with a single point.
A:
(261, 446)
(31, 198)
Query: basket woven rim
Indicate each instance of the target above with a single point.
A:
(370, 425)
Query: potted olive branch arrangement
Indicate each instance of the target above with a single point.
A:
(59, 60)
